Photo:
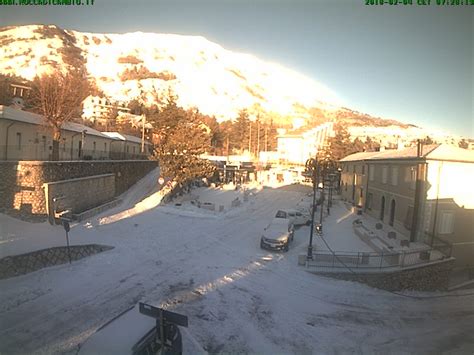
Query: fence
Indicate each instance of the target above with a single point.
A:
(438, 244)
(364, 261)
(39, 152)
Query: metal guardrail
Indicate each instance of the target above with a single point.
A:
(374, 261)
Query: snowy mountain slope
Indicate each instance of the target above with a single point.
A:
(127, 66)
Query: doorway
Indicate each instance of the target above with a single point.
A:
(392, 213)
(382, 208)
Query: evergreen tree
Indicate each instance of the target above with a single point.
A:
(240, 132)
(182, 137)
(340, 145)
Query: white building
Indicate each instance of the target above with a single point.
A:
(98, 110)
(26, 136)
(125, 146)
(298, 146)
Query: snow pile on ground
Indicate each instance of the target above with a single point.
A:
(146, 204)
(238, 297)
(214, 201)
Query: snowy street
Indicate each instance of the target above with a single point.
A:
(209, 266)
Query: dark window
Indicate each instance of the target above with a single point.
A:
(392, 213)
(369, 201)
(18, 140)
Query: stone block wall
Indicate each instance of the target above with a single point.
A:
(12, 266)
(430, 277)
(80, 194)
(21, 182)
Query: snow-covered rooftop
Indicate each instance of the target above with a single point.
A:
(430, 152)
(14, 114)
(124, 137)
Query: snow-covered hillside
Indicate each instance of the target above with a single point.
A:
(127, 66)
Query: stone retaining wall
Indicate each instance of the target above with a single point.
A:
(21, 182)
(430, 277)
(12, 266)
(79, 195)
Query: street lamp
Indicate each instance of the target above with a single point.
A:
(311, 167)
(83, 142)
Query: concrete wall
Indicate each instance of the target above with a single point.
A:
(21, 183)
(81, 194)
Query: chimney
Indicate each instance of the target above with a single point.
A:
(419, 148)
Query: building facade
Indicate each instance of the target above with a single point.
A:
(425, 195)
(26, 136)
(298, 146)
(100, 111)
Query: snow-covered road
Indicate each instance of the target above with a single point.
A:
(238, 298)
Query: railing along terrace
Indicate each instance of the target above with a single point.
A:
(371, 260)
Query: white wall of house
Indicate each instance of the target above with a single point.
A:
(451, 180)
(28, 141)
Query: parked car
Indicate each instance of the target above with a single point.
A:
(277, 235)
(296, 217)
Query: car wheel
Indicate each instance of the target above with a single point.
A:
(287, 247)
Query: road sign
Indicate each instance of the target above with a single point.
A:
(168, 316)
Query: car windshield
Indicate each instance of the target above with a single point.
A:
(281, 214)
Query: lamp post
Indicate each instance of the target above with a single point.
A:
(83, 142)
(311, 167)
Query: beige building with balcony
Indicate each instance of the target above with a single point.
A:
(426, 195)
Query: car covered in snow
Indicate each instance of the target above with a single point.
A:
(277, 235)
(296, 217)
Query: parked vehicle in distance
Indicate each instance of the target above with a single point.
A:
(277, 235)
(296, 217)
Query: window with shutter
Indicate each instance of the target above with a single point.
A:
(446, 222)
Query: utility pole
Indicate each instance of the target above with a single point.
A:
(311, 166)
(143, 133)
(266, 128)
(258, 135)
(250, 136)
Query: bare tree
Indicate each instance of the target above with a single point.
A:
(58, 98)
